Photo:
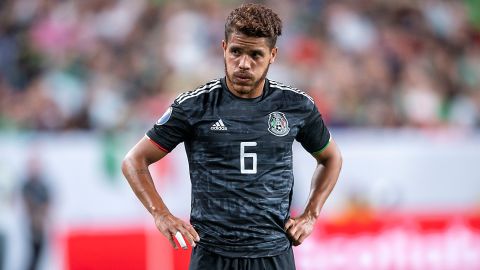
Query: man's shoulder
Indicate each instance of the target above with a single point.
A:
(192, 97)
(292, 93)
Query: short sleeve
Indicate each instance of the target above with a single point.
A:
(313, 135)
(171, 129)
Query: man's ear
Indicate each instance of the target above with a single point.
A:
(224, 46)
(273, 54)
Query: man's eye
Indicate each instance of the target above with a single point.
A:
(235, 52)
(256, 55)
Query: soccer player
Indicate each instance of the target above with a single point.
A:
(238, 133)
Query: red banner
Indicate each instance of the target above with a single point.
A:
(360, 241)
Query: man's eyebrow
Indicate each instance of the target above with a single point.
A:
(235, 47)
(247, 50)
(257, 51)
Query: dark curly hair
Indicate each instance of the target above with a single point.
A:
(254, 20)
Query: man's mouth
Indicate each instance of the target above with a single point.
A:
(242, 77)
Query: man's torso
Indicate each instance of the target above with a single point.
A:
(240, 158)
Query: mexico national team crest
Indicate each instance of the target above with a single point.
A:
(278, 124)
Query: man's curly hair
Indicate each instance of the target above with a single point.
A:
(254, 20)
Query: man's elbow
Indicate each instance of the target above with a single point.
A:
(334, 160)
(339, 160)
(129, 162)
(126, 163)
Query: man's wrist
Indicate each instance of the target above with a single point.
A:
(312, 213)
(157, 212)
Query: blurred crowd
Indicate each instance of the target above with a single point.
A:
(116, 64)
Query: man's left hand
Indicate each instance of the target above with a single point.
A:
(299, 228)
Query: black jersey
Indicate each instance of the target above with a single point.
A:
(240, 157)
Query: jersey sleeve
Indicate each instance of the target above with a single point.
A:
(313, 135)
(171, 129)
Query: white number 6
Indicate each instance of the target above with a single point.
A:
(244, 155)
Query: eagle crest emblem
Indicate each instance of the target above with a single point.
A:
(278, 124)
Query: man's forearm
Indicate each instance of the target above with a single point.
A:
(141, 182)
(323, 181)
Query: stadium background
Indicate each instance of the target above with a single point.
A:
(398, 83)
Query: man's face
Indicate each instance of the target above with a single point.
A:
(246, 64)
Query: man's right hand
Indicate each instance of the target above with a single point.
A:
(169, 225)
(135, 168)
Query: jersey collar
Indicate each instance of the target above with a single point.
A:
(266, 90)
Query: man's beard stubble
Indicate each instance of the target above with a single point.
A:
(254, 85)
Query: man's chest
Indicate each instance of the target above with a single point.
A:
(245, 140)
(247, 124)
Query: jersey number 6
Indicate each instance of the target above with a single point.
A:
(244, 155)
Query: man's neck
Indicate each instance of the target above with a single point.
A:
(254, 93)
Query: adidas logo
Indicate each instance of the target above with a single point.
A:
(219, 125)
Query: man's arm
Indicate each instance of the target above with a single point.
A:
(329, 163)
(135, 168)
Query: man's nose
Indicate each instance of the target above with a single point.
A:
(244, 62)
